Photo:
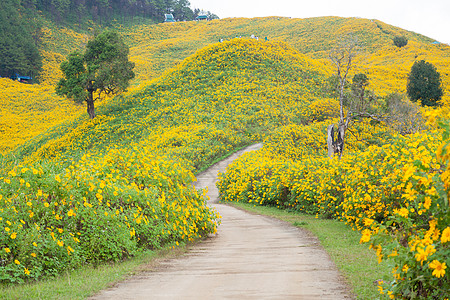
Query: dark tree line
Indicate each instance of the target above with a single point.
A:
(19, 23)
(18, 49)
(103, 11)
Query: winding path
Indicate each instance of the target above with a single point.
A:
(251, 257)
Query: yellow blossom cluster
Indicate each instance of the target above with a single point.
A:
(100, 208)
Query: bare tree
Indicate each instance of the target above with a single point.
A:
(400, 115)
(342, 57)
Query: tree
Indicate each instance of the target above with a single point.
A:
(342, 58)
(403, 116)
(400, 41)
(424, 83)
(103, 69)
(357, 102)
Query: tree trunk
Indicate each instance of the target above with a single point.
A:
(340, 139)
(90, 104)
(330, 141)
(336, 146)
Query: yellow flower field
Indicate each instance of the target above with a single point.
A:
(195, 100)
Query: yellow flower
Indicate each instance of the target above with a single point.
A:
(60, 243)
(7, 250)
(391, 296)
(368, 222)
(71, 213)
(394, 253)
(33, 254)
(27, 272)
(445, 235)
(365, 236)
(421, 255)
(438, 268)
(405, 268)
(17, 262)
(402, 212)
(7, 229)
(380, 288)
(427, 203)
(13, 235)
(99, 197)
(57, 178)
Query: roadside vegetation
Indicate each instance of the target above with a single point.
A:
(194, 100)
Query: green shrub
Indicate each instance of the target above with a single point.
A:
(400, 41)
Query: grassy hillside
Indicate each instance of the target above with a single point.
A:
(166, 44)
(235, 90)
(156, 48)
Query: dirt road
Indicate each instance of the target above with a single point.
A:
(251, 257)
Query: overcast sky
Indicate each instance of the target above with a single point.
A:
(427, 17)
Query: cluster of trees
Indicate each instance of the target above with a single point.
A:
(103, 11)
(18, 48)
(19, 23)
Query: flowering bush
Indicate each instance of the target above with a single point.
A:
(389, 191)
(416, 236)
(97, 209)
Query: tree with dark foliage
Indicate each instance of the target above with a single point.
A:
(103, 69)
(424, 84)
(400, 41)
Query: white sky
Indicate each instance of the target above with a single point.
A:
(428, 17)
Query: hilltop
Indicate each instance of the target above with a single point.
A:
(225, 94)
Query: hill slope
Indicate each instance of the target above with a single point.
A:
(232, 90)
(156, 48)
